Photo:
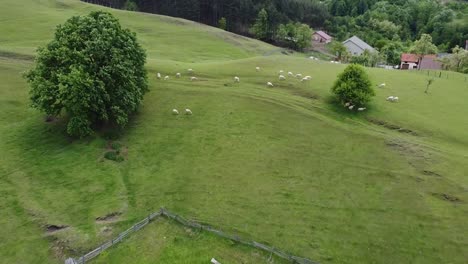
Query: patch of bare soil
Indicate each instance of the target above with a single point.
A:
(391, 126)
(55, 228)
(111, 217)
(447, 197)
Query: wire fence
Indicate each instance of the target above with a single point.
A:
(442, 74)
(188, 223)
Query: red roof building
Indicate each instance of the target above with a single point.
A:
(411, 61)
(321, 36)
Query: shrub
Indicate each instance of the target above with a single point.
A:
(222, 23)
(116, 146)
(354, 86)
(114, 156)
(93, 70)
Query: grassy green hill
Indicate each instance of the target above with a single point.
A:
(281, 164)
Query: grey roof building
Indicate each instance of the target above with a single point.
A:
(357, 46)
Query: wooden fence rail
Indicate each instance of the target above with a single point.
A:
(192, 224)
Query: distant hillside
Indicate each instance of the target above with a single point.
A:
(377, 22)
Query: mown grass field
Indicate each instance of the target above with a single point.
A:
(281, 165)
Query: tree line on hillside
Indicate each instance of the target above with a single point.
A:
(380, 23)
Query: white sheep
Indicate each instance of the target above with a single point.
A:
(282, 78)
(347, 104)
(236, 79)
(382, 85)
(304, 79)
(361, 109)
(269, 84)
(158, 75)
(178, 75)
(166, 78)
(390, 98)
(395, 99)
(281, 72)
(175, 111)
(193, 79)
(351, 107)
(214, 261)
(257, 68)
(190, 70)
(188, 111)
(298, 75)
(290, 74)
(308, 77)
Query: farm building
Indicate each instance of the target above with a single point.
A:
(322, 37)
(411, 61)
(357, 46)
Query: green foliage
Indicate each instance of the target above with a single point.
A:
(457, 61)
(222, 23)
(116, 146)
(368, 59)
(423, 46)
(130, 5)
(294, 35)
(261, 29)
(392, 52)
(354, 86)
(114, 156)
(338, 49)
(93, 70)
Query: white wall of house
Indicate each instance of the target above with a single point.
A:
(411, 65)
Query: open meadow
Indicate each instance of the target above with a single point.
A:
(282, 165)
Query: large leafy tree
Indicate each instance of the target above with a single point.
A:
(92, 71)
(353, 86)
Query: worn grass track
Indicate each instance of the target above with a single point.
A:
(281, 165)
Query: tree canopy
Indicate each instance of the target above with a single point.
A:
(92, 71)
(353, 86)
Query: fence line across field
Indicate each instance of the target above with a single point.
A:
(192, 224)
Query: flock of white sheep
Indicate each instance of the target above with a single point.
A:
(281, 77)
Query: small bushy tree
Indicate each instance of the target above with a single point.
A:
(423, 46)
(130, 5)
(93, 71)
(222, 23)
(353, 86)
(294, 35)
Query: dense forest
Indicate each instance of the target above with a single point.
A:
(380, 23)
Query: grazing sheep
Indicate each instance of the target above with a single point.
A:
(236, 79)
(308, 78)
(178, 75)
(269, 84)
(347, 104)
(188, 111)
(257, 68)
(361, 109)
(351, 107)
(166, 78)
(158, 75)
(190, 70)
(290, 74)
(193, 78)
(382, 85)
(395, 99)
(214, 261)
(282, 78)
(390, 98)
(175, 112)
(281, 72)
(298, 75)
(305, 79)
